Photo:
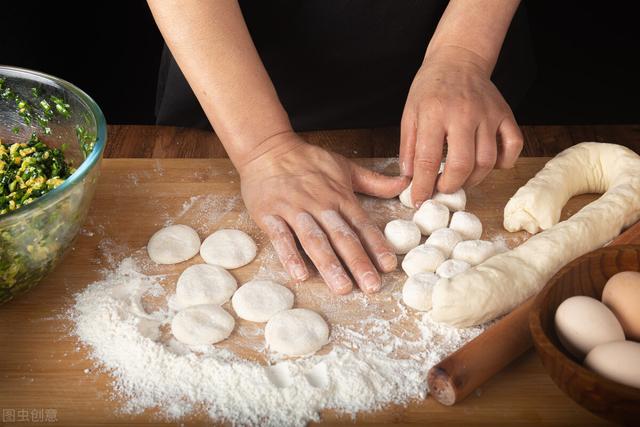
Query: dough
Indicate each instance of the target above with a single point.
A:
(444, 239)
(205, 284)
(452, 267)
(173, 244)
(259, 300)
(431, 216)
(416, 292)
(467, 224)
(202, 324)
(402, 235)
(474, 251)
(228, 248)
(422, 258)
(405, 195)
(455, 201)
(499, 284)
(296, 332)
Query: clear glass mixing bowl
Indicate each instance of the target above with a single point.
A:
(34, 238)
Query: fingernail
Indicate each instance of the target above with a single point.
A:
(342, 284)
(388, 261)
(299, 272)
(370, 282)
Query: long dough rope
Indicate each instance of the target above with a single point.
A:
(502, 282)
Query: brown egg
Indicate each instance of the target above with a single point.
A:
(622, 295)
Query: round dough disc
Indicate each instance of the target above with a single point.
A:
(431, 216)
(205, 284)
(259, 300)
(173, 244)
(444, 239)
(417, 290)
(202, 324)
(466, 224)
(228, 248)
(422, 258)
(296, 332)
(402, 235)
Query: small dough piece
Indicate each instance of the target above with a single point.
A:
(474, 251)
(202, 324)
(296, 332)
(452, 267)
(173, 244)
(431, 216)
(417, 290)
(467, 224)
(405, 197)
(402, 235)
(259, 300)
(228, 248)
(205, 284)
(444, 239)
(455, 201)
(421, 259)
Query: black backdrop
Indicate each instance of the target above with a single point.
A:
(587, 56)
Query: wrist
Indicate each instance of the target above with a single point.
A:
(271, 147)
(462, 58)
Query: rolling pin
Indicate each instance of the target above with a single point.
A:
(462, 372)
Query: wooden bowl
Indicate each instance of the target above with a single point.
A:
(586, 275)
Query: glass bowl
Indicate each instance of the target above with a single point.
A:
(34, 238)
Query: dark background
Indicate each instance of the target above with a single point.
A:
(587, 56)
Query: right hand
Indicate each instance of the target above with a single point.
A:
(292, 188)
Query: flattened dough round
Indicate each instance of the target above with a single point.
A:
(422, 258)
(173, 244)
(296, 332)
(260, 300)
(202, 324)
(444, 239)
(205, 284)
(402, 235)
(466, 224)
(431, 216)
(228, 248)
(417, 290)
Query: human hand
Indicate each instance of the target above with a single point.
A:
(452, 99)
(292, 188)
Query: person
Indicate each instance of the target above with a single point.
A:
(293, 189)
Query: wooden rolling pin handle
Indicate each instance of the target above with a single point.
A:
(462, 372)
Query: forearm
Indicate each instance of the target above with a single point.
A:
(473, 31)
(213, 47)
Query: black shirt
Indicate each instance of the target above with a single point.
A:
(343, 64)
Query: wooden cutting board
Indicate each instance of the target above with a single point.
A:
(43, 372)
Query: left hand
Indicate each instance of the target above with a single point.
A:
(452, 99)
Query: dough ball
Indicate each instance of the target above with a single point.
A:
(259, 300)
(444, 239)
(422, 258)
(202, 324)
(205, 284)
(405, 197)
(228, 248)
(474, 251)
(173, 244)
(431, 216)
(416, 292)
(455, 201)
(296, 332)
(402, 235)
(467, 225)
(452, 267)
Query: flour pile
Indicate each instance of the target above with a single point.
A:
(110, 317)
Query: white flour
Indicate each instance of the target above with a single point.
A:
(379, 351)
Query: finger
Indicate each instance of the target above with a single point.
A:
(486, 153)
(375, 184)
(285, 246)
(371, 237)
(461, 156)
(510, 143)
(408, 131)
(347, 244)
(426, 163)
(317, 246)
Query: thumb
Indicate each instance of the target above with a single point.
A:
(375, 184)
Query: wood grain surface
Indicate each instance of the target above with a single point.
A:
(41, 366)
(170, 142)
